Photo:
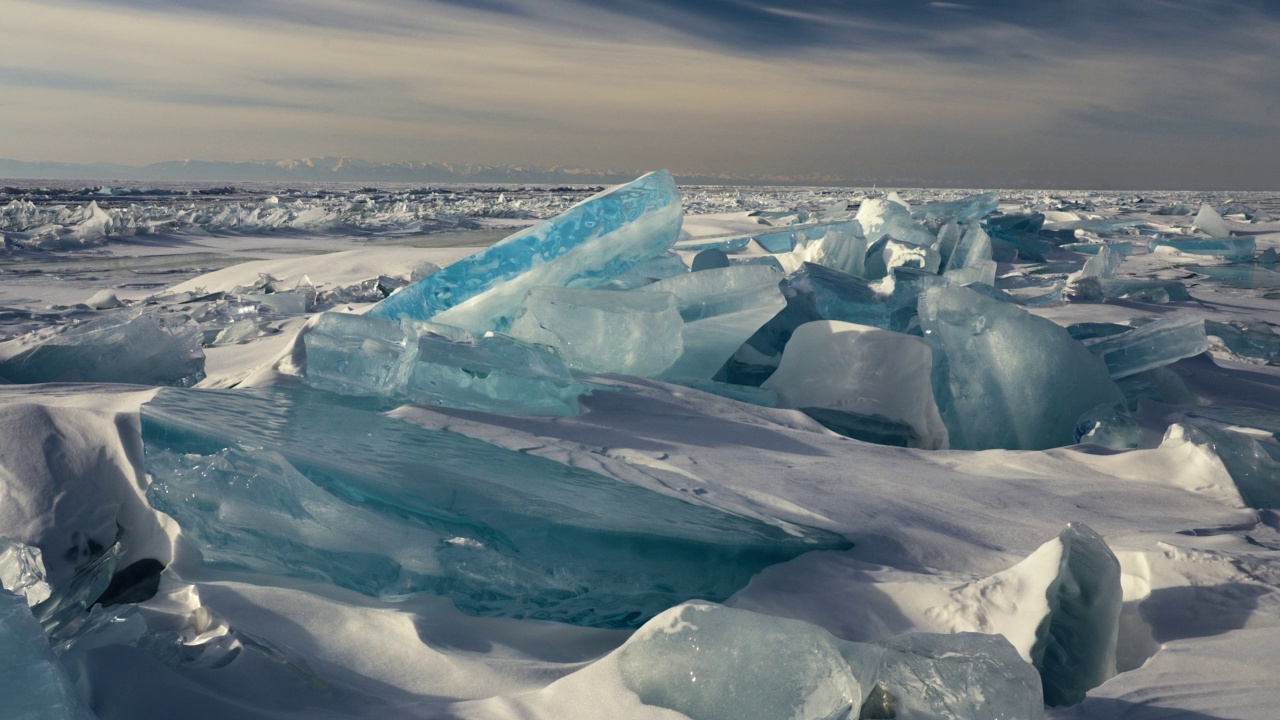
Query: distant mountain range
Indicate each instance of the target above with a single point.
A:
(341, 169)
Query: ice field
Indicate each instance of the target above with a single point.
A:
(645, 451)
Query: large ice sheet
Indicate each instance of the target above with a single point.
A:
(863, 370)
(1008, 379)
(602, 331)
(432, 363)
(721, 309)
(1229, 248)
(298, 483)
(33, 685)
(1149, 346)
(135, 346)
(602, 237)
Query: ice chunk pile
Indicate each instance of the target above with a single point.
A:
(602, 237)
(134, 346)
(714, 663)
(1151, 346)
(32, 682)
(432, 363)
(298, 483)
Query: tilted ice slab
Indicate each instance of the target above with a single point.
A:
(33, 685)
(136, 346)
(295, 483)
(1010, 379)
(863, 370)
(1149, 346)
(603, 331)
(1226, 247)
(709, 662)
(842, 247)
(432, 363)
(1210, 222)
(721, 309)
(603, 236)
(967, 209)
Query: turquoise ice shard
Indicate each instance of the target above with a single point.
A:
(668, 264)
(974, 207)
(602, 331)
(431, 363)
(1008, 379)
(378, 505)
(861, 370)
(597, 239)
(1226, 247)
(1210, 222)
(880, 218)
(135, 346)
(33, 685)
(715, 663)
(970, 262)
(1255, 340)
(1151, 346)
(721, 309)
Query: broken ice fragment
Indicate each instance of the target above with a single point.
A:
(709, 260)
(899, 254)
(1110, 426)
(973, 676)
(716, 663)
(721, 309)
(1009, 379)
(1248, 277)
(1150, 346)
(1210, 222)
(842, 247)
(597, 239)
(33, 685)
(974, 207)
(603, 331)
(146, 348)
(663, 266)
(881, 218)
(426, 362)
(1255, 340)
(316, 487)
(862, 370)
(1229, 248)
(1254, 471)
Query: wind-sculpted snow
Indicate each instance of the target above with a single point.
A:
(301, 484)
(604, 236)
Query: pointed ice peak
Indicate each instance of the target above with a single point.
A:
(1210, 222)
(894, 198)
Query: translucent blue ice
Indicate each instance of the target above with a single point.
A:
(1151, 346)
(1255, 340)
(299, 483)
(600, 238)
(603, 331)
(135, 346)
(431, 363)
(842, 247)
(1229, 248)
(1109, 426)
(33, 685)
(721, 309)
(1006, 378)
(1254, 471)
(1248, 277)
(974, 207)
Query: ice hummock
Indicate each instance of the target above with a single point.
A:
(135, 346)
(300, 484)
(1210, 222)
(601, 237)
(1008, 379)
(432, 363)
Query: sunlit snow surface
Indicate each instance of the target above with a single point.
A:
(378, 517)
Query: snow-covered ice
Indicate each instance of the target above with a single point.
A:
(925, 453)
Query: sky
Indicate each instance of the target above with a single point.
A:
(990, 93)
